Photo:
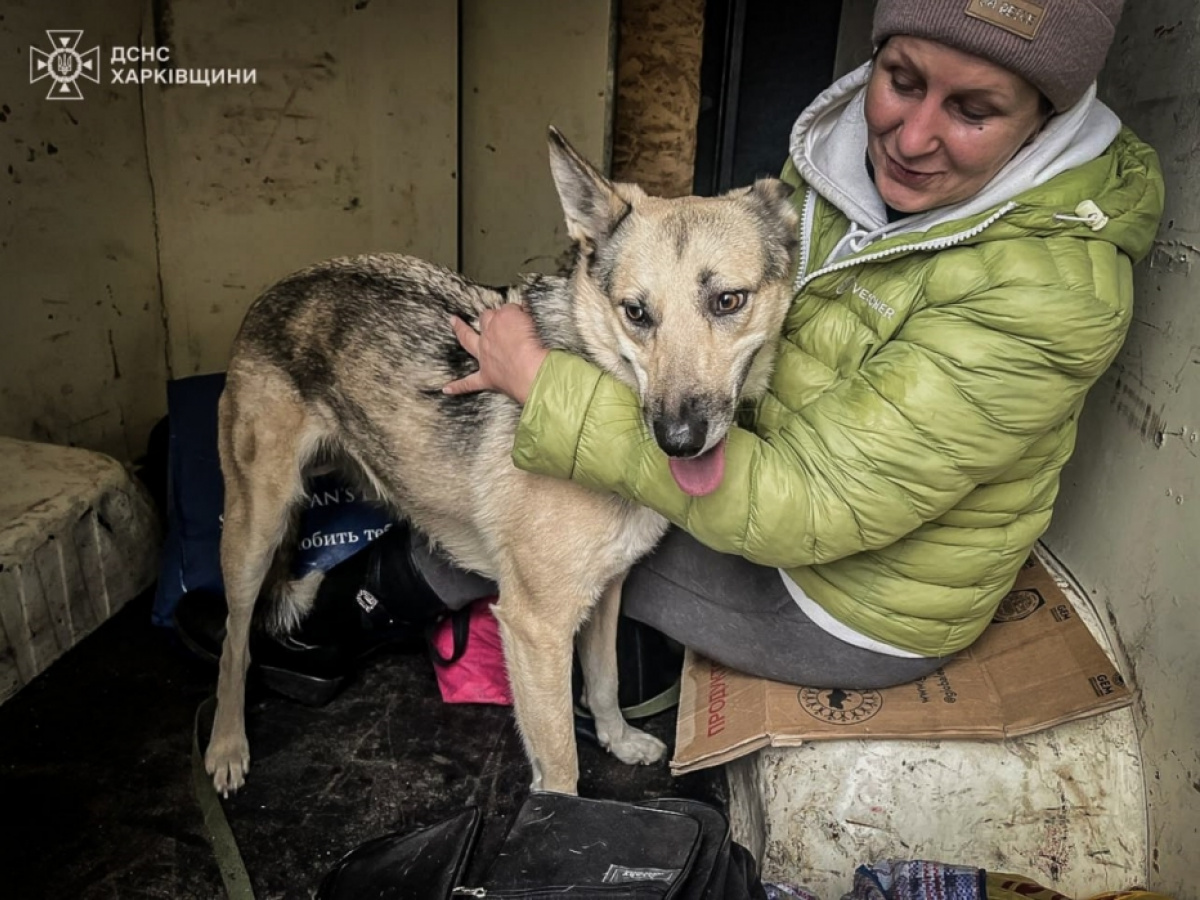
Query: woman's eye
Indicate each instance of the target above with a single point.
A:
(903, 86)
(974, 116)
(729, 302)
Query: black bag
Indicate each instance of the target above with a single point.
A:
(335, 524)
(368, 602)
(559, 845)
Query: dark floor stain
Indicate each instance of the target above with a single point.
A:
(95, 753)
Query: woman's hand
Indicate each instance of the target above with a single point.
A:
(508, 350)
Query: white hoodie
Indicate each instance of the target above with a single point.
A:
(829, 145)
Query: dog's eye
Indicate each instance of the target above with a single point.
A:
(729, 302)
(636, 313)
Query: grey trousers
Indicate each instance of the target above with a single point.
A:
(731, 610)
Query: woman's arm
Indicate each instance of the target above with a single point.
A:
(954, 400)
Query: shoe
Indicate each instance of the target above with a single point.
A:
(373, 600)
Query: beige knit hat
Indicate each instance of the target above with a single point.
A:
(1058, 46)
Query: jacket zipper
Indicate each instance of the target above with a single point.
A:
(935, 244)
(806, 221)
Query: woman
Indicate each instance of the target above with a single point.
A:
(970, 217)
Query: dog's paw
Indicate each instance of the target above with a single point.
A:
(227, 760)
(635, 747)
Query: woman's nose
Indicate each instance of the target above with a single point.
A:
(919, 132)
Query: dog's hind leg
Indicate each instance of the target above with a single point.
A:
(598, 655)
(261, 459)
(538, 628)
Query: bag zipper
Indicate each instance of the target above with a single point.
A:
(627, 889)
(942, 243)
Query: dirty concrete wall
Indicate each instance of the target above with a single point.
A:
(1127, 522)
(526, 66)
(660, 46)
(141, 221)
(81, 333)
(346, 144)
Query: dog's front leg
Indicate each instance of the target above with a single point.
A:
(598, 656)
(538, 638)
(227, 758)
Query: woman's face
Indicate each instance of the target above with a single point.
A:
(942, 122)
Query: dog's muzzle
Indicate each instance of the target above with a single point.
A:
(682, 437)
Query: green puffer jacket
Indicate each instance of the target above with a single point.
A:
(924, 403)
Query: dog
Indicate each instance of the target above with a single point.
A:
(683, 300)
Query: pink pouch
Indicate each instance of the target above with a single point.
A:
(478, 674)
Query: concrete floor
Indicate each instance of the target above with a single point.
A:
(95, 759)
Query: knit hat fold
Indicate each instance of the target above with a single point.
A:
(1058, 46)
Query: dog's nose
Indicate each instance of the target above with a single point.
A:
(684, 432)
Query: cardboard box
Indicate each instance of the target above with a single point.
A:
(1036, 666)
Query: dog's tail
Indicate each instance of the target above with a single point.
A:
(285, 599)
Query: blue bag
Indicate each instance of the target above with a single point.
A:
(335, 525)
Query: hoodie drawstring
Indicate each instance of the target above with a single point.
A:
(1088, 213)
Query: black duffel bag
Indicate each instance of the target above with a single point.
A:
(559, 845)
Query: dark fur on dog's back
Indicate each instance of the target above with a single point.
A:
(386, 304)
(386, 317)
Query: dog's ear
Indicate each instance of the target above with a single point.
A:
(773, 197)
(772, 200)
(590, 202)
(771, 190)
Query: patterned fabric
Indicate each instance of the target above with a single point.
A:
(788, 892)
(917, 879)
(922, 880)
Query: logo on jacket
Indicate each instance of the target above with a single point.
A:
(851, 285)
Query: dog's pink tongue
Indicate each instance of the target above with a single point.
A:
(701, 474)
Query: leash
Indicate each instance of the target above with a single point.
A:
(220, 835)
